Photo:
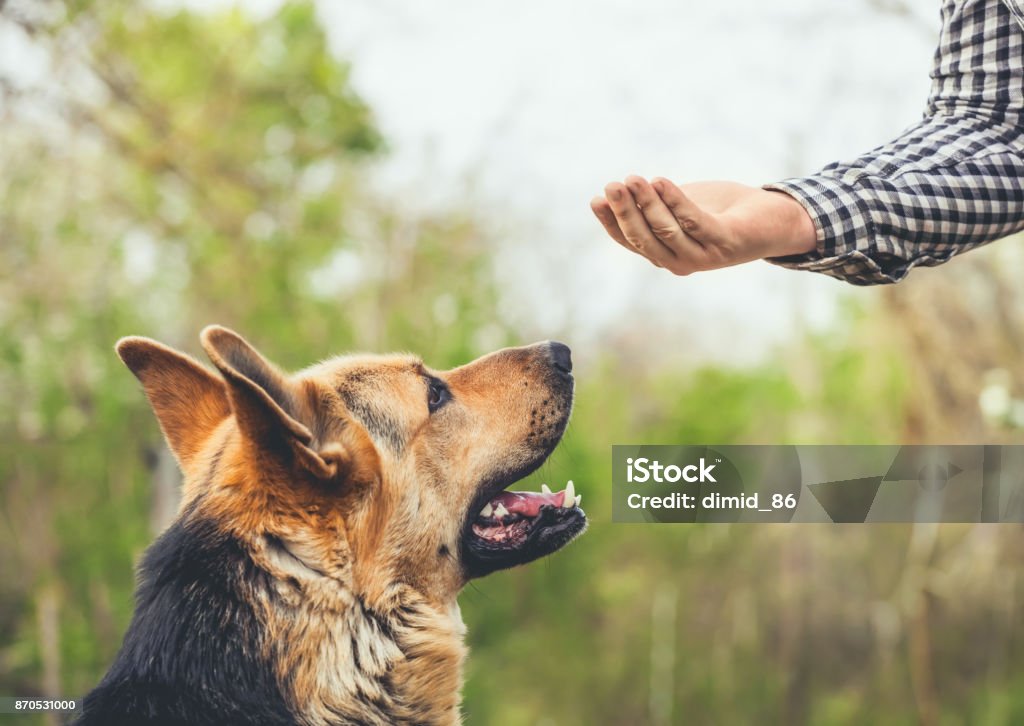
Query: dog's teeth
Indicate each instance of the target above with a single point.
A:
(545, 489)
(570, 495)
(486, 511)
(579, 498)
(500, 511)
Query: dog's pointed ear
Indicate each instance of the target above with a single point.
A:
(189, 401)
(267, 406)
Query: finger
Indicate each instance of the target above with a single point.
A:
(603, 211)
(694, 221)
(660, 218)
(634, 226)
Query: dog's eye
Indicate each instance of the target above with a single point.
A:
(437, 395)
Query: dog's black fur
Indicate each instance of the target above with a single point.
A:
(192, 655)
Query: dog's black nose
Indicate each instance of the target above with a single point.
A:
(561, 356)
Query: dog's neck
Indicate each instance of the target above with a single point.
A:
(395, 659)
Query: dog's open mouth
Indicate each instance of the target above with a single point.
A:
(514, 528)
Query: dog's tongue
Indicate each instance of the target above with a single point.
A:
(527, 503)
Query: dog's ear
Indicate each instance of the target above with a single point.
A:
(267, 406)
(189, 401)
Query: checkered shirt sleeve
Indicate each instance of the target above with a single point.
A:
(950, 183)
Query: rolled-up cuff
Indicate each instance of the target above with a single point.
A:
(846, 241)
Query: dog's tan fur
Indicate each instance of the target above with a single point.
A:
(349, 495)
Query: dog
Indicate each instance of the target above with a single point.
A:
(329, 519)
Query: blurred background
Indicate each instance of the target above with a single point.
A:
(385, 175)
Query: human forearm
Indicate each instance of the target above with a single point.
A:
(947, 185)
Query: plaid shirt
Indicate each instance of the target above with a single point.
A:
(950, 183)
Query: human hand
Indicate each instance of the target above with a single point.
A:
(703, 226)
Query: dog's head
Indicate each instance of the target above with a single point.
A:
(374, 470)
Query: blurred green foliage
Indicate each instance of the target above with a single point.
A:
(184, 169)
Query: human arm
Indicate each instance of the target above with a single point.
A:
(948, 184)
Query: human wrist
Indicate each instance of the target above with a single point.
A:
(790, 229)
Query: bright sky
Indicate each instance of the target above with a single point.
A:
(525, 114)
(529, 113)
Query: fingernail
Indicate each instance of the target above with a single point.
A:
(615, 194)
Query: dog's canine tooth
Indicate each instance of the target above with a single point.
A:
(487, 510)
(570, 495)
(500, 510)
(579, 498)
(545, 489)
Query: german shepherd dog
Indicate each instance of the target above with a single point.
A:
(329, 519)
